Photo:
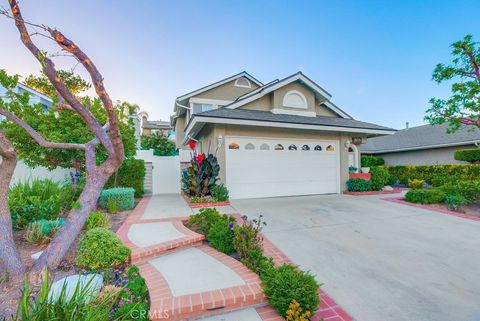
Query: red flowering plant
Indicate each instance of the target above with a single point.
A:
(202, 174)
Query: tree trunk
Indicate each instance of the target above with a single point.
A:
(68, 233)
(9, 255)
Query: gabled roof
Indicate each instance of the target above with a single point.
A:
(219, 83)
(156, 124)
(276, 84)
(421, 137)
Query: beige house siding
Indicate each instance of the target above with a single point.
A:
(180, 131)
(226, 91)
(436, 156)
(210, 133)
(264, 103)
(322, 110)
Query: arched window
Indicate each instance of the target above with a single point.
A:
(330, 148)
(295, 99)
(264, 147)
(318, 148)
(250, 146)
(243, 82)
(305, 147)
(279, 147)
(233, 146)
(292, 147)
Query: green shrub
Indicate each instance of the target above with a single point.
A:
(97, 219)
(436, 175)
(34, 234)
(358, 185)
(134, 296)
(454, 202)
(425, 196)
(219, 193)
(352, 169)
(248, 242)
(371, 161)
(379, 177)
(468, 155)
(48, 227)
(35, 200)
(204, 219)
(130, 174)
(101, 248)
(469, 190)
(220, 236)
(285, 283)
(121, 196)
(416, 183)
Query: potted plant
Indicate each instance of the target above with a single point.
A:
(365, 169)
(352, 169)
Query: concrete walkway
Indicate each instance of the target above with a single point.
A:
(380, 260)
(185, 278)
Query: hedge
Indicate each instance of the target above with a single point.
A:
(425, 196)
(380, 177)
(370, 161)
(130, 174)
(122, 197)
(437, 175)
(468, 155)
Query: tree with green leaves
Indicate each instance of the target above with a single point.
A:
(103, 135)
(74, 83)
(160, 144)
(463, 107)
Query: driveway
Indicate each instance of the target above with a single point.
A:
(379, 260)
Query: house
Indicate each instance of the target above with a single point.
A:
(282, 138)
(422, 145)
(35, 96)
(154, 126)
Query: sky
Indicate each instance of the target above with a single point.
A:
(375, 57)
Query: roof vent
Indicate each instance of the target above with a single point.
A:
(406, 125)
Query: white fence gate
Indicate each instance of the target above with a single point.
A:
(163, 172)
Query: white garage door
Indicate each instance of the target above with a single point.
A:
(281, 167)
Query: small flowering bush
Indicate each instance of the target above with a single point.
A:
(295, 312)
(248, 242)
(133, 301)
(220, 236)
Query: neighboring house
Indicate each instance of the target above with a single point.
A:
(282, 138)
(155, 126)
(35, 96)
(22, 171)
(422, 145)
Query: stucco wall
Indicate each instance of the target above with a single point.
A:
(226, 91)
(279, 94)
(180, 131)
(435, 156)
(24, 173)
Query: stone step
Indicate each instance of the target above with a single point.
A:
(199, 281)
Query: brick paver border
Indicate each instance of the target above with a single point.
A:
(208, 204)
(401, 200)
(206, 303)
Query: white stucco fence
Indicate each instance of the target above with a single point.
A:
(24, 173)
(165, 173)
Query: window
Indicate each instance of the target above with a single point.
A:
(243, 82)
(249, 146)
(305, 147)
(233, 146)
(264, 147)
(292, 147)
(279, 147)
(330, 148)
(318, 148)
(295, 99)
(198, 108)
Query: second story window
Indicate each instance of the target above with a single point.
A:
(198, 108)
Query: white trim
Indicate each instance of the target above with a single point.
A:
(294, 112)
(34, 92)
(243, 86)
(219, 83)
(210, 101)
(199, 119)
(355, 152)
(295, 92)
(420, 147)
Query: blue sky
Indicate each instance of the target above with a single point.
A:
(375, 57)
